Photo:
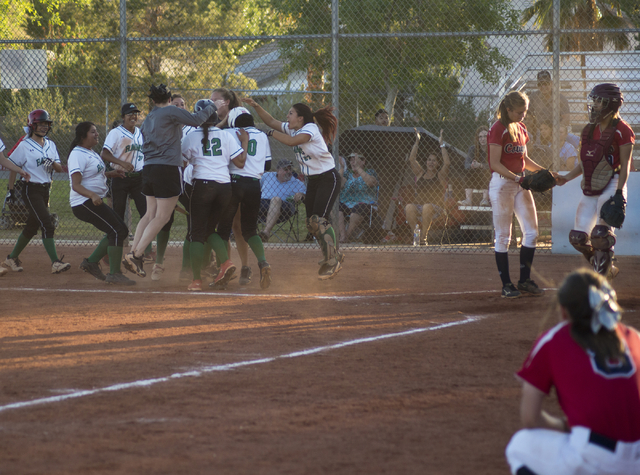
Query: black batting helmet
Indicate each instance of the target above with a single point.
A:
(608, 96)
(203, 104)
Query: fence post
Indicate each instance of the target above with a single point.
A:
(123, 51)
(556, 84)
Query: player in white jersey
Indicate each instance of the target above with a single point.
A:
(309, 143)
(10, 195)
(246, 194)
(38, 156)
(88, 181)
(210, 150)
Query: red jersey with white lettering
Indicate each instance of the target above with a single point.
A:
(624, 135)
(513, 153)
(604, 397)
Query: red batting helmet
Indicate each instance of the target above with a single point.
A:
(609, 96)
(37, 116)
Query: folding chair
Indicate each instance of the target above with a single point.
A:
(286, 229)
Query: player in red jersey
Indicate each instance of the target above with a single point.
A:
(508, 159)
(605, 160)
(592, 361)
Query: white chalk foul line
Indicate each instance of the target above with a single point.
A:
(226, 367)
(248, 295)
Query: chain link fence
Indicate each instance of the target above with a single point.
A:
(399, 73)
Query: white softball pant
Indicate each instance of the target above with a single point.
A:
(508, 197)
(588, 212)
(548, 452)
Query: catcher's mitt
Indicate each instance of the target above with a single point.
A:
(613, 210)
(539, 181)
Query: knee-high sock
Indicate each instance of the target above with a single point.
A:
(219, 247)
(100, 251)
(50, 246)
(255, 243)
(21, 243)
(196, 250)
(115, 258)
(526, 258)
(186, 256)
(163, 240)
(502, 260)
(206, 259)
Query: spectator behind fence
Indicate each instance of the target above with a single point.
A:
(542, 151)
(382, 118)
(476, 167)
(431, 179)
(280, 190)
(541, 105)
(358, 195)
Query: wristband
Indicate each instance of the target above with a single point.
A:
(518, 179)
(270, 133)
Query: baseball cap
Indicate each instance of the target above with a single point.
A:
(234, 113)
(284, 163)
(128, 108)
(544, 76)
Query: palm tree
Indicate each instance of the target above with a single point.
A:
(582, 14)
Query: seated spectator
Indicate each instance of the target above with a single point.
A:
(358, 195)
(279, 193)
(476, 165)
(382, 118)
(568, 152)
(431, 179)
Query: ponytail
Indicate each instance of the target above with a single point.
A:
(230, 96)
(323, 117)
(511, 101)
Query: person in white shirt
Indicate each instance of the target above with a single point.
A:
(309, 141)
(245, 195)
(210, 151)
(88, 187)
(38, 156)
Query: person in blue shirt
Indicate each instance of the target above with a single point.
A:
(280, 192)
(358, 195)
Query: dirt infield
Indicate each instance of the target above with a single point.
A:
(402, 364)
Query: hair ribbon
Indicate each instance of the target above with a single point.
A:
(605, 311)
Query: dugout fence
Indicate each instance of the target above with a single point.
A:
(431, 66)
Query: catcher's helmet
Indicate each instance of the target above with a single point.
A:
(608, 96)
(234, 115)
(202, 104)
(37, 116)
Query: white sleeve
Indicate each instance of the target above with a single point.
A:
(111, 142)
(54, 150)
(73, 164)
(18, 157)
(2, 147)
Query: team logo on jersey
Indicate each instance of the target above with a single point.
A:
(133, 148)
(100, 167)
(303, 156)
(612, 368)
(511, 148)
(42, 161)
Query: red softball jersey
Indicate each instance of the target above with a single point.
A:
(624, 135)
(604, 397)
(512, 152)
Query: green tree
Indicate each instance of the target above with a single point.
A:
(393, 65)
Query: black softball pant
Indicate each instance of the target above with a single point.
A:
(36, 198)
(105, 219)
(246, 194)
(322, 192)
(122, 189)
(209, 199)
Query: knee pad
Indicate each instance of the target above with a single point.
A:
(580, 241)
(602, 238)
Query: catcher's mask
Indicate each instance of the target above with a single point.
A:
(604, 99)
(38, 116)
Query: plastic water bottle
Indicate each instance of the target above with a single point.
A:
(416, 236)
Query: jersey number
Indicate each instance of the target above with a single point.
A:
(212, 147)
(252, 147)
